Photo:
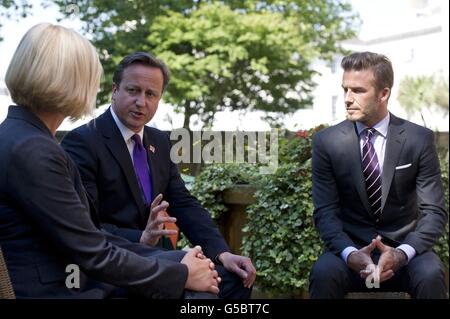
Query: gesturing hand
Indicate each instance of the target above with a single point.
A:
(154, 228)
(240, 265)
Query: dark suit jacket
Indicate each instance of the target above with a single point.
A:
(108, 175)
(45, 224)
(413, 210)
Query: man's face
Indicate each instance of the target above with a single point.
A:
(363, 101)
(136, 99)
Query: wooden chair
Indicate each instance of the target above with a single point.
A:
(6, 288)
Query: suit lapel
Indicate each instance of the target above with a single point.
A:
(149, 144)
(394, 144)
(115, 143)
(351, 141)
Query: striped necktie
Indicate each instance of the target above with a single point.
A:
(372, 173)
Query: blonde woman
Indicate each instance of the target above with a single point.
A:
(45, 222)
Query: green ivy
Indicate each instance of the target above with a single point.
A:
(441, 248)
(214, 179)
(281, 237)
(210, 184)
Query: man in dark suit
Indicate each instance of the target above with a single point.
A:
(377, 192)
(105, 150)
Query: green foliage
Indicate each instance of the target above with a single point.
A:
(415, 91)
(441, 248)
(423, 91)
(214, 179)
(210, 184)
(220, 58)
(281, 238)
(297, 149)
(229, 54)
(441, 93)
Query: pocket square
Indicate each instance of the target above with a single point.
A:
(403, 166)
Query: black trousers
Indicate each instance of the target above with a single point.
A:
(231, 286)
(423, 277)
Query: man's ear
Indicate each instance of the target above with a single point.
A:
(384, 94)
(115, 87)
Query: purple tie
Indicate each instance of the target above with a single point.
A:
(372, 173)
(141, 168)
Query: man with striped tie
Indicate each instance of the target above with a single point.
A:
(377, 192)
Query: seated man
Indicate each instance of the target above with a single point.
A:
(125, 165)
(377, 194)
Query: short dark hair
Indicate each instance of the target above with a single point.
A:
(380, 65)
(143, 58)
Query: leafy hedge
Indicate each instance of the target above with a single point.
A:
(441, 247)
(214, 179)
(281, 238)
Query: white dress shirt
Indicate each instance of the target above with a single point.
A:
(127, 134)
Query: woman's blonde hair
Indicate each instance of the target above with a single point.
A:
(54, 69)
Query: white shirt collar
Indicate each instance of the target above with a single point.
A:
(125, 131)
(381, 127)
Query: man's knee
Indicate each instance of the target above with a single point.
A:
(431, 272)
(329, 278)
(231, 286)
(329, 267)
(427, 278)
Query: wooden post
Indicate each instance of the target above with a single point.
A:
(236, 198)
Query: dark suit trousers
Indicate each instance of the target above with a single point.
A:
(422, 277)
(230, 287)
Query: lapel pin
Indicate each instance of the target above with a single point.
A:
(151, 148)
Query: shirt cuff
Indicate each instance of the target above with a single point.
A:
(216, 259)
(408, 250)
(346, 252)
